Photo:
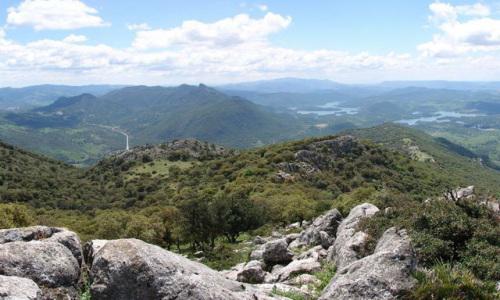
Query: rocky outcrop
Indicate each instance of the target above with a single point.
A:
(349, 241)
(277, 252)
(62, 236)
(386, 274)
(18, 288)
(460, 193)
(50, 257)
(322, 230)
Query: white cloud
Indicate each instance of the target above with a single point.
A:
(54, 15)
(462, 29)
(73, 38)
(226, 32)
(231, 49)
(263, 7)
(141, 26)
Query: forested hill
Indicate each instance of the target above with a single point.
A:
(155, 114)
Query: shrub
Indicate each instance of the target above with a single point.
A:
(448, 282)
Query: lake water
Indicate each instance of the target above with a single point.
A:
(438, 117)
(331, 108)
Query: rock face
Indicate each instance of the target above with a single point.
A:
(18, 288)
(276, 252)
(386, 274)
(323, 229)
(132, 269)
(348, 242)
(50, 257)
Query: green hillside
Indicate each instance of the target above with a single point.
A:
(83, 128)
(192, 195)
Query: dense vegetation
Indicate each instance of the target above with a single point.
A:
(188, 196)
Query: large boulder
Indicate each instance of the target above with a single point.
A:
(349, 241)
(49, 264)
(252, 272)
(322, 230)
(277, 252)
(18, 288)
(132, 269)
(62, 236)
(386, 274)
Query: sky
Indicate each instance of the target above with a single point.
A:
(163, 42)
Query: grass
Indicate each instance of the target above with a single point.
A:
(325, 275)
(288, 294)
(452, 282)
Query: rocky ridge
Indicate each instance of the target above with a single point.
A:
(45, 263)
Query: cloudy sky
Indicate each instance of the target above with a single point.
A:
(169, 42)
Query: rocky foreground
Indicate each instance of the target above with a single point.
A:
(49, 263)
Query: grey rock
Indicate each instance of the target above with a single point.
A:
(304, 279)
(318, 253)
(327, 223)
(460, 193)
(232, 273)
(257, 253)
(258, 240)
(297, 267)
(276, 252)
(47, 263)
(386, 274)
(91, 248)
(348, 242)
(252, 272)
(291, 237)
(131, 269)
(63, 236)
(17, 288)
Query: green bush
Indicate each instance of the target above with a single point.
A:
(448, 282)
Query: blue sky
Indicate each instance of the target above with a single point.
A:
(169, 42)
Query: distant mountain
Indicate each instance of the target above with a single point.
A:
(442, 84)
(156, 114)
(39, 95)
(285, 85)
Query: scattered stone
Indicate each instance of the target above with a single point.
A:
(386, 274)
(252, 272)
(257, 254)
(17, 288)
(291, 237)
(304, 279)
(297, 267)
(317, 253)
(326, 223)
(276, 252)
(348, 242)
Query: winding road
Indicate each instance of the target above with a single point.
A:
(118, 130)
